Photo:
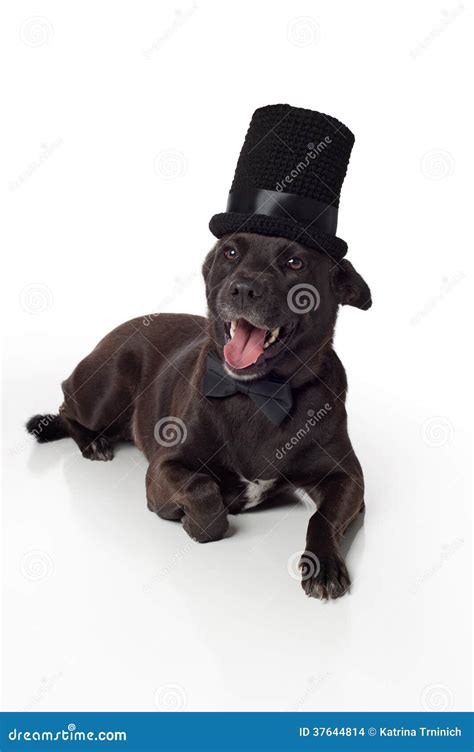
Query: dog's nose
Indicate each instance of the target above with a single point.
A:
(245, 289)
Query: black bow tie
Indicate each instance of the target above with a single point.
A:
(272, 396)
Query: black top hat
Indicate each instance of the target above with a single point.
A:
(288, 179)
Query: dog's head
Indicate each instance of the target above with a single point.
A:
(269, 297)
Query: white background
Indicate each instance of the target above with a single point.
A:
(122, 126)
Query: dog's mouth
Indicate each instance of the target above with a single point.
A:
(246, 343)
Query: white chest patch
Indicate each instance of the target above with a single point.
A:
(255, 490)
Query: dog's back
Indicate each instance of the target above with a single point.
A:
(100, 394)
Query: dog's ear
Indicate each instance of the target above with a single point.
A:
(207, 266)
(349, 287)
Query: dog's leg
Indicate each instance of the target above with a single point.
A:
(93, 446)
(160, 499)
(176, 492)
(324, 573)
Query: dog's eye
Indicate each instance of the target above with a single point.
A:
(230, 253)
(295, 263)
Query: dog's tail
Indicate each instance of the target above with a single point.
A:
(47, 428)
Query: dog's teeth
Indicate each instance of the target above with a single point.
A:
(273, 336)
(233, 327)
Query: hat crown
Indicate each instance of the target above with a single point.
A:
(288, 179)
(294, 150)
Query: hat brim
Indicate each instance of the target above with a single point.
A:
(231, 222)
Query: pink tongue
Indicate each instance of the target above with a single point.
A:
(245, 346)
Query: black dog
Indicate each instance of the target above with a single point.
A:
(272, 310)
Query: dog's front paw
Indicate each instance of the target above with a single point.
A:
(206, 530)
(324, 576)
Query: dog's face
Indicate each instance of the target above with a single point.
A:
(269, 297)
